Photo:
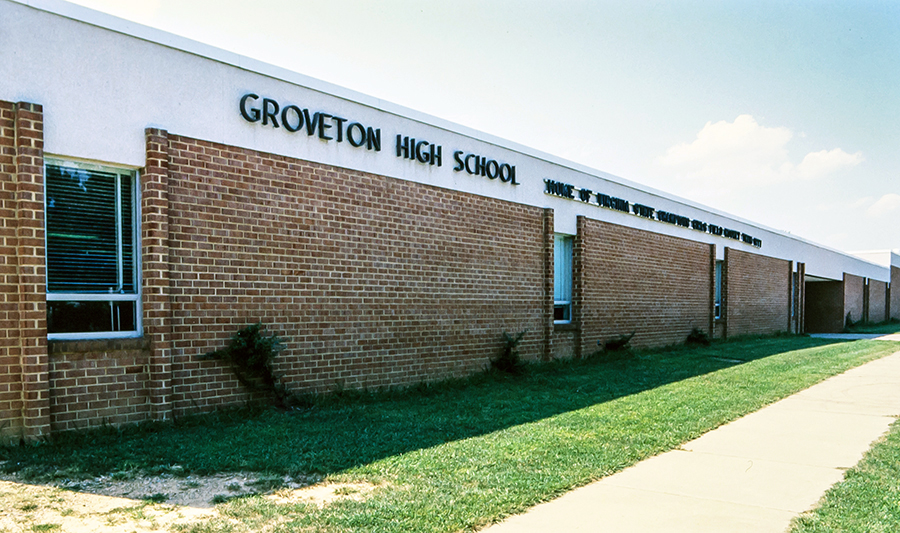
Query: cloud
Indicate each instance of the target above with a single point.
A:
(744, 152)
(865, 200)
(888, 203)
(817, 164)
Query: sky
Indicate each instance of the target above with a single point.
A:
(785, 113)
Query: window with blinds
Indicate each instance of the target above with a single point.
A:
(92, 278)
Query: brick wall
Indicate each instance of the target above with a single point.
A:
(758, 294)
(98, 382)
(630, 280)
(854, 295)
(31, 271)
(895, 293)
(877, 300)
(24, 400)
(10, 366)
(372, 281)
(564, 343)
(156, 289)
(800, 299)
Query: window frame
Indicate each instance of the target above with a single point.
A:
(136, 297)
(565, 304)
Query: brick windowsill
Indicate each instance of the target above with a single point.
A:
(58, 347)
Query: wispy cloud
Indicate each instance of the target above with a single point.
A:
(744, 152)
(822, 163)
(887, 204)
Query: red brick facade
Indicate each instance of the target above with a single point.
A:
(23, 353)
(95, 382)
(372, 281)
(895, 293)
(10, 356)
(629, 280)
(877, 300)
(757, 294)
(854, 298)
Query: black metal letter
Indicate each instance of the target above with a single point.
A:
(252, 114)
(362, 134)
(340, 127)
(267, 114)
(373, 139)
(286, 123)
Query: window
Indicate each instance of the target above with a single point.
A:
(562, 279)
(92, 266)
(718, 289)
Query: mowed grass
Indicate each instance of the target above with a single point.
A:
(461, 455)
(867, 501)
(884, 328)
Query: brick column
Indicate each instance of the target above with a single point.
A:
(578, 280)
(547, 311)
(712, 292)
(887, 302)
(895, 293)
(801, 296)
(791, 304)
(31, 270)
(724, 312)
(10, 348)
(157, 309)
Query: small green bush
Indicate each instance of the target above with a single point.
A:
(848, 322)
(697, 338)
(618, 344)
(509, 361)
(250, 354)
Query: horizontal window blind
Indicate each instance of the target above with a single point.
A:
(90, 231)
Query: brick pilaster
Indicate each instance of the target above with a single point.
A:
(31, 269)
(155, 271)
(801, 298)
(712, 292)
(547, 312)
(578, 280)
(791, 302)
(724, 311)
(10, 348)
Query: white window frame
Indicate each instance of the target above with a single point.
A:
(562, 276)
(136, 246)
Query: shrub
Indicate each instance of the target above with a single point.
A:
(697, 338)
(509, 361)
(848, 322)
(618, 344)
(250, 355)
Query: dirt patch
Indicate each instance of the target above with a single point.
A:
(149, 504)
(322, 494)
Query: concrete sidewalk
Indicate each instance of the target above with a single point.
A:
(752, 475)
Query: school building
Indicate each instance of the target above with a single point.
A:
(158, 194)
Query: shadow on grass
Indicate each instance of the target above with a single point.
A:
(352, 429)
(883, 328)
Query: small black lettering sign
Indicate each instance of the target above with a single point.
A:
(567, 190)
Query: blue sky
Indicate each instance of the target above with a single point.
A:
(786, 113)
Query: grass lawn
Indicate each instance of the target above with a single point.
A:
(886, 328)
(461, 455)
(868, 500)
